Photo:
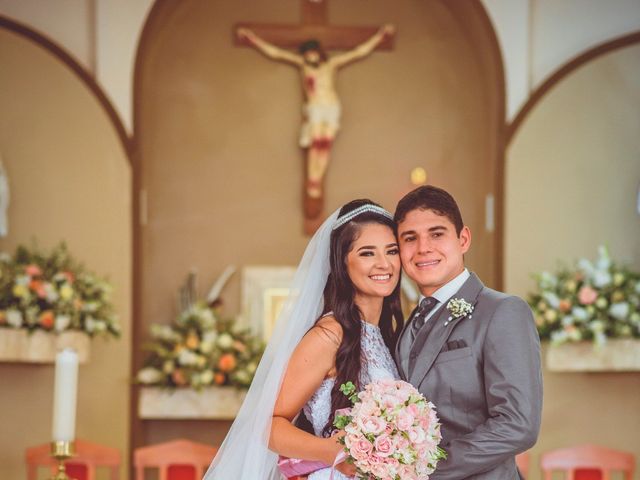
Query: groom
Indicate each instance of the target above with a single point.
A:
(472, 351)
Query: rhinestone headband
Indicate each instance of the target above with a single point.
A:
(347, 217)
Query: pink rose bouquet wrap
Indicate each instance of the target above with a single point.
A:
(391, 432)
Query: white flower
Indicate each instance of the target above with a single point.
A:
(14, 318)
(225, 340)
(567, 321)
(635, 318)
(586, 267)
(164, 332)
(547, 281)
(596, 326)
(187, 357)
(601, 278)
(552, 299)
(150, 375)
(90, 324)
(206, 377)
(23, 280)
(62, 322)
(604, 261)
(207, 320)
(168, 366)
(580, 314)
(637, 287)
(619, 311)
(459, 307)
(550, 315)
(50, 293)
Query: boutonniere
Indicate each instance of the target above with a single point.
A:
(458, 308)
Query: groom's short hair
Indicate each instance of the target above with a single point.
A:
(428, 197)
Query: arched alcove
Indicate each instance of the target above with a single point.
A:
(217, 163)
(70, 178)
(572, 174)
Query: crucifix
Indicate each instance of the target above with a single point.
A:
(321, 110)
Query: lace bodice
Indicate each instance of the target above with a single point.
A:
(377, 364)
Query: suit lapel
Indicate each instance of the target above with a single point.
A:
(398, 348)
(428, 344)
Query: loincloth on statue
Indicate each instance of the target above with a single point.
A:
(327, 114)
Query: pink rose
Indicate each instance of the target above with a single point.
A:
(375, 425)
(413, 409)
(379, 470)
(359, 447)
(404, 420)
(33, 270)
(587, 295)
(384, 445)
(416, 435)
(407, 473)
(390, 400)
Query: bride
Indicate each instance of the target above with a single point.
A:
(339, 324)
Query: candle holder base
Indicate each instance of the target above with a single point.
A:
(61, 451)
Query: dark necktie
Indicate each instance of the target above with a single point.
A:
(427, 304)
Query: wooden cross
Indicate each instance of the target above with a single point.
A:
(314, 24)
(273, 40)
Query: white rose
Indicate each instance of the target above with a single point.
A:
(225, 340)
(14, 318)
(149, 375)
(62, 322)
(206, 377)
(619, 311)
(579, 313)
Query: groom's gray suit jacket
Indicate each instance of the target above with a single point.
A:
(482, 372)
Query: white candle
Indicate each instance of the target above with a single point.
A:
(64, 396)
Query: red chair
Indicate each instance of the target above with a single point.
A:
(522, 461)
(89, 456)
(588, 462)
(175, 460)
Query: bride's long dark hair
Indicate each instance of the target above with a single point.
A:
(339, 298)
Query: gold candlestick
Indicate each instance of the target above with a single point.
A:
(61, 451)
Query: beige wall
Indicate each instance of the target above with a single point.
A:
(219, 127)
(70, 180)
(572, 181)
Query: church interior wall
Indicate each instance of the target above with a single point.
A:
(216, 122)
(572, 174)
(70, 181)
(571, 154)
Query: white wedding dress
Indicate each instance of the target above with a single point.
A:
(377, 364)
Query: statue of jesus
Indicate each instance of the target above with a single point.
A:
(321, 111)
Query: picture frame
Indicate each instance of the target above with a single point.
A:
(264, 290)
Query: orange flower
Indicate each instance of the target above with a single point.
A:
(565, 306)
(227, 362)
(3, 317)
(219, 378)
(46, 319)
(38, 287)
(69, 276)
(192, 341)
(178, 377)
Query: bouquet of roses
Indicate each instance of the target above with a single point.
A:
(391, 432)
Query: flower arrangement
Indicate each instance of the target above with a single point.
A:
(53, 292)
(592, 301)
(201, 349)
(392, 431)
